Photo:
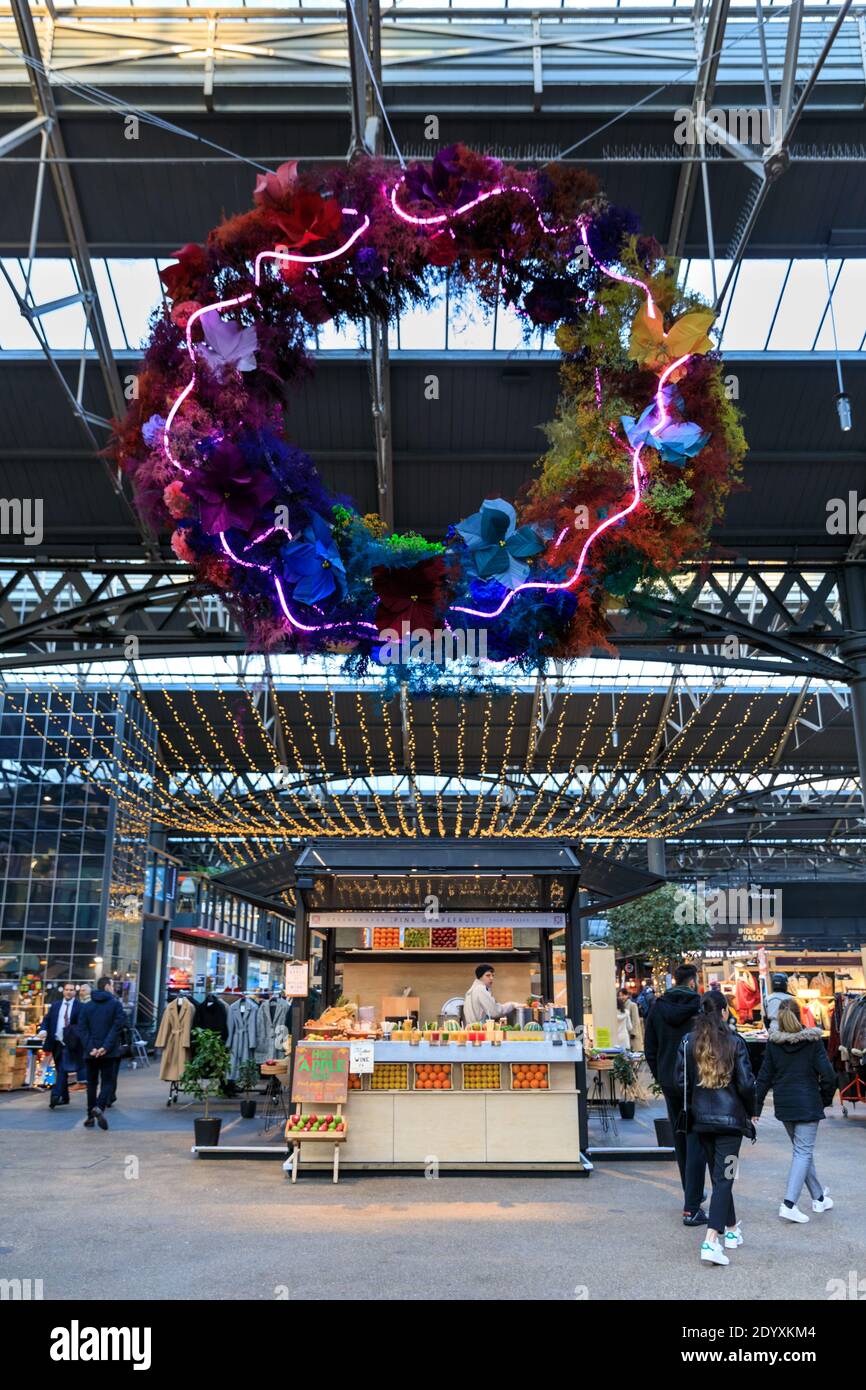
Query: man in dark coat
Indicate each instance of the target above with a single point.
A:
(101, 1023)
(670, 1018)
(59, 1030)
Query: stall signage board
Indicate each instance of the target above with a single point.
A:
(602, 1037)
(297, 979)
(361, 1063)
(321, 1073)
(550, 920)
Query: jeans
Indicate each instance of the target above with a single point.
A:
(100, 1075)
(803, 1137)
(691, 1159)
(721, 1151)
(60, 1089)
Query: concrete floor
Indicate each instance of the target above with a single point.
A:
(188, 1228)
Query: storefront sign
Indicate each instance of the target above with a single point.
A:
(297, 979)
(361, 1058)
(550, 920)
(321, 1073)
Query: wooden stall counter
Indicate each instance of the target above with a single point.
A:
(456, 1108)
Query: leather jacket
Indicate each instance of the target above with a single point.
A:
(723, 1109)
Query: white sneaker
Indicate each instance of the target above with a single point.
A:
(824, 1204)
(734, 1238)
(713, 1254)
(792, 1213)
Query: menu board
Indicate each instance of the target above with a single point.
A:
(297, 984)
(321, 1073)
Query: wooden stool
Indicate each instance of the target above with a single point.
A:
(321, 1136)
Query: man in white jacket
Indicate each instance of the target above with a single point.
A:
(478, 1002)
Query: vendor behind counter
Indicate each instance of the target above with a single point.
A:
(479, 1003)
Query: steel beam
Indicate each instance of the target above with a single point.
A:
(365, 61)
(64, 187)
(713, 29)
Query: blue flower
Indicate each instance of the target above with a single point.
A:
(675, 441)
(312, 564)
(152, 430)
(497, 547)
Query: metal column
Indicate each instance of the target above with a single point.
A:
(574, 999)
(853, 649)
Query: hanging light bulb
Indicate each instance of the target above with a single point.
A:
(843, 400)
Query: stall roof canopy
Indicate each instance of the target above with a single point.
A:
(360, 857)
(513, 883)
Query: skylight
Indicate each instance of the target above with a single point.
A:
(776, 305)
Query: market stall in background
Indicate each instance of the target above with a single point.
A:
(402, 930)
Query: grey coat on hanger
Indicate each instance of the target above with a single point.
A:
(271, 1030)
(242, 1033)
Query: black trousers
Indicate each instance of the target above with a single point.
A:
(60, 1089)
(691, 1160)
(721, 1152)
(101, 1079)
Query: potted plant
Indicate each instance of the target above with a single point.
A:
(625, 1076)
(202, 1078)
(248, 1080)
(663, 1127)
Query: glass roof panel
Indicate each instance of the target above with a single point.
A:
(802, 306)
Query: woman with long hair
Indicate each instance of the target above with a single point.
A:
(717, 1084)
(797, 1070)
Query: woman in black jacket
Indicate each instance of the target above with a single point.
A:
(797, 1070)
(716, 1080)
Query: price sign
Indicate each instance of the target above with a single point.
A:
(321, 1073)
(297, 979)
(602, 1037)
(361, 1054)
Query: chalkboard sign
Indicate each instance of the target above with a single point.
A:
(321, 1073)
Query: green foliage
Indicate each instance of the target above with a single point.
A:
(649, 927)
(205, 1073)
(625, 1075)
(248, 1076)
(669, 500)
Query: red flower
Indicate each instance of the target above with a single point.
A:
(275, 190)
(183, 311)
(442, 249)
(309, 217)
(414, 595)
(181, 280)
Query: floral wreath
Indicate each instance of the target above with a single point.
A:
(643, 451)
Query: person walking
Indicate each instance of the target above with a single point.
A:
(59, 1033)
(716, 1079)
(100, 1027)
(669, 1019)
(797, 1070)
(776, 998)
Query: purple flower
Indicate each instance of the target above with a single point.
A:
(230, 493)
(443, 183)
(152, 431)
(368, 264)
(228, 345)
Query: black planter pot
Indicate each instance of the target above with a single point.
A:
(664, 1133)
(207, 1132)
(626, 1109)
(248, 1109)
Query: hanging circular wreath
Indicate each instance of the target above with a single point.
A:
(643, 451)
